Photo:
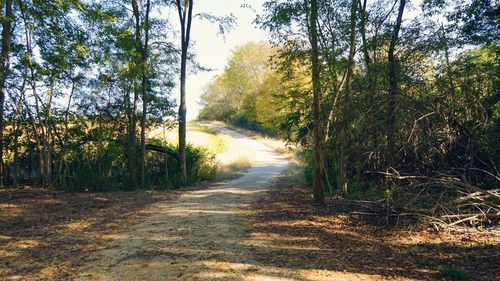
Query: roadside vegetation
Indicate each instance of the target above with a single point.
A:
(226, 162)
(83, 84)
(387, 110)
(406, 109)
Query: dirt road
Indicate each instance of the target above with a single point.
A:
(201, 236)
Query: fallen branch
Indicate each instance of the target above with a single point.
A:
(161, 149)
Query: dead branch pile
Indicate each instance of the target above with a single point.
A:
(444, 201)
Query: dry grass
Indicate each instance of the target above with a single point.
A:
(232, 160)
(234, 169)
(295, 169)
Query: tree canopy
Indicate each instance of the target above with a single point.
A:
(408, 96)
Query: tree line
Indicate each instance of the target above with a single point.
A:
(392, 100)
(81, 85)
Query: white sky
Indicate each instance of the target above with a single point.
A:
(211, 49)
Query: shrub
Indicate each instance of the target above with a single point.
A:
(454, 273)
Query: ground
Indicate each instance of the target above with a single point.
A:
(257, 227)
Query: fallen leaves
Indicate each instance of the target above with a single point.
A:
(348, 244)
(44, 233)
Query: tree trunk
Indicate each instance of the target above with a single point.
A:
(318, 192)
(144, 54)
(185, 11)
(4, 68)
(343, 134)
(342, 164)
(46, 151)
(393, 87)
(370, 77)
(15, 164)
(132, 123)
(366, 55)
(142, 48)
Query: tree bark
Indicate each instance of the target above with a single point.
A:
(144, 55)
(366, 55)
(142, 48)
(318, 192)
(342, 171)
(4, 68)
(393, 86)
(185, 11)
(132, 138)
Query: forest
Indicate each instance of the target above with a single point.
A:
(402, 105)
(367, 126)
(82, 82)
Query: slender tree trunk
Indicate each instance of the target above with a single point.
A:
(143, 50)
(138, 46)
(185, 11)
(17, 132)
(366, 55)
(343, 135)
(46, 152)
(133, 133)
(132, 123)
(342, 164)
(144, 92)
(38, 122)
(370, 75)
(182, 122)
(318, 192)
(393, 86)
(4, 68)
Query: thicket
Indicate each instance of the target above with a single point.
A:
(242, 94)
(82, 84)
(409, 100)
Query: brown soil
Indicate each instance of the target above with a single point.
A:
(344, 246)
(42, 233)
(245, 229)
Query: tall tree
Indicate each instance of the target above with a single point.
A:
(318, 153)
(4, 68)
(143, 51)
(393, 84)
(144, 68)
(185, 11)
(342, 171)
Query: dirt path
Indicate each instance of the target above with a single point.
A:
(246, 229)
(201, 236)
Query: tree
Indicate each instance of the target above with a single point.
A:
(342, 171)
(143, 50)
(393, 84)
(74, 93)
(185, 11)
(232, 97)
(318, 153)
(4, 69)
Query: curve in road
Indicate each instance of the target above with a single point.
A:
(203, 235)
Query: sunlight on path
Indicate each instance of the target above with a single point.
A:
(204, 235)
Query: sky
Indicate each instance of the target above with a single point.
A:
(212, 50)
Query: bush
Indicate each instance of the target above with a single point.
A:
(200, 163)
(454, 273)
(100, 164)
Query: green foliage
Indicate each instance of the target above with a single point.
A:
(201, 166)
(447, 103)
(244, 94)
(74, 94)
(98, 163)
(453, 273)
